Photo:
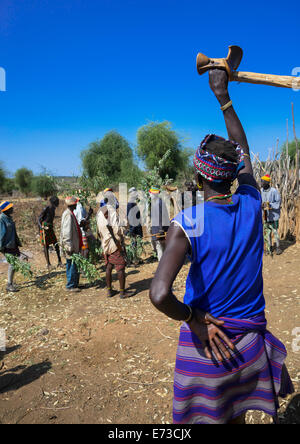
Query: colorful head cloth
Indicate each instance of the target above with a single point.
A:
(5, 205)
(266, 178)
(214, 168)
(107, 189)
(71, 200)
(154, 190)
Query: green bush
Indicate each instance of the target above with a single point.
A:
(44, 186)
(9, 186)
(2, 177)
(23, 180)
(291, 150)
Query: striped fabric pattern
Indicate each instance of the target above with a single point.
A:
(211, 392)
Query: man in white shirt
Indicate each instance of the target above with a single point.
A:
(112, 238)
(271, 203)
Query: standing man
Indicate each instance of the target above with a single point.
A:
(111, 234)
(71, 242)
(109, 198)
(159, 222)
(271, 202)
(134, 220)
(83, 217)
(47, 234)
(9, 241)
(227, 361)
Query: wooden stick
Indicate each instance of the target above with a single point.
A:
(276, 154)
(256, 157)
(266, 79)
(287, 138)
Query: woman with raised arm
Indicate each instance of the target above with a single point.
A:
(227, 362)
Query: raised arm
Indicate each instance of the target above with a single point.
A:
(218, 80)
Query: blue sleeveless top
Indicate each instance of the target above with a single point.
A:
(225, 277)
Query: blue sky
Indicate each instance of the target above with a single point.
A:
(77, 69)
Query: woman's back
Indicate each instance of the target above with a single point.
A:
(225, 278)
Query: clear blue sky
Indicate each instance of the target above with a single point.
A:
(79, 68)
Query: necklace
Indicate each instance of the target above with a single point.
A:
(221, 197)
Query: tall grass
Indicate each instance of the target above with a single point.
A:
(284, 178)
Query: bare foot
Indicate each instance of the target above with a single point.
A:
(127, 294)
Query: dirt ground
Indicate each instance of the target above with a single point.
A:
(85, 358)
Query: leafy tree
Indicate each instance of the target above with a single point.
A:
(291, 149)
(2, 177)
(187, 171)
(154, 140)
(9, 186)
(92, 184)
(23, 180)
(130, 173)
(108, 161)
(44, 185)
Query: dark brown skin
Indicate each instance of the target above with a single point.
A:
(46, 249)
(9, 212)
(72, 207)
(205, 326)
(265, 185)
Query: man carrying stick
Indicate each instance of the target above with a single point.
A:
(112, 239)
(47, 234)
(271, 202)
(159, 222)
(227, 361)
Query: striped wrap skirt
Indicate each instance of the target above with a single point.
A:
(208, 391)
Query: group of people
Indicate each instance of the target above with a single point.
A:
(76, 234)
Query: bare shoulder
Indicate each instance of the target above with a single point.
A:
(175, 232)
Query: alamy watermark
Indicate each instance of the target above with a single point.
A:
(2, 79)
(2, 340)
(154, 210)
(296, 81)
(296, 339)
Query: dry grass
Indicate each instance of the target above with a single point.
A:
(284, 178)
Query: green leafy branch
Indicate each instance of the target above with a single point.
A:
(19, 266)
(86, 267)
(136, 248)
